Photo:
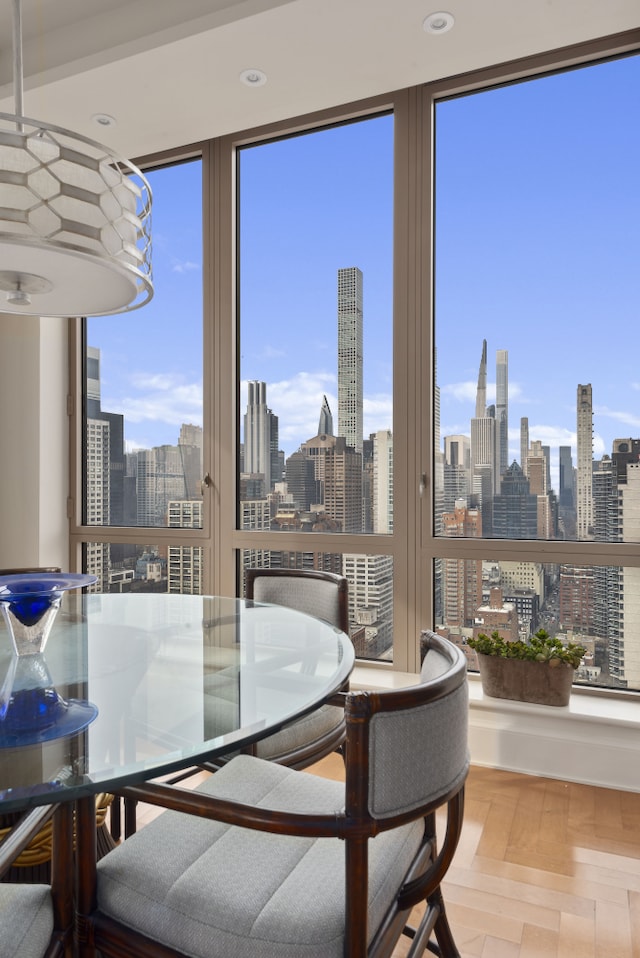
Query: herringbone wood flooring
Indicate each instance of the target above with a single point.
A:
(544, 869)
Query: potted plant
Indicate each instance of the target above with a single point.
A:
(539, 670)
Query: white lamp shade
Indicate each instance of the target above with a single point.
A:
(74, 224)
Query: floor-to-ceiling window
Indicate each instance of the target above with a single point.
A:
(143, 410)
(537, 431)
(315, 262)
(419, 351)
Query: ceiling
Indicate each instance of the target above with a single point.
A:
(168, 70)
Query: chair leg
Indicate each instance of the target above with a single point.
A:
(115, 818)
(130, 823)
(446, 946)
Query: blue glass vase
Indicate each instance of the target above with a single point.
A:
(31, 708)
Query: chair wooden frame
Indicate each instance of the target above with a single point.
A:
(62, 871)
(355, 826)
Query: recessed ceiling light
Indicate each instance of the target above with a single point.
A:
(103, 119)
(438, 22)
(253, 77)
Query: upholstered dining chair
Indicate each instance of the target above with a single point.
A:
(280, 863)
(325, 596)
(33, 862)
(36, 920)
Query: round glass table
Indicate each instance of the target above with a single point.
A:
(171, 679)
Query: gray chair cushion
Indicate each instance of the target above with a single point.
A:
(216, 891)
(417, 755)
(26, 920)
(301, 732)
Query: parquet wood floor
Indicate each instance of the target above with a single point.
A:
(544, 869)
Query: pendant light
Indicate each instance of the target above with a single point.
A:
(75, 218)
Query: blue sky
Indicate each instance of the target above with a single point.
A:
(538, 251)
(538, 239)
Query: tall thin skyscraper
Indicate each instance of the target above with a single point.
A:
(481, 391)
(524, 443)
(483, 438)
(502, 410)
(350, 389)
(584, 484)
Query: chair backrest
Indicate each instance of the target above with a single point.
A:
(407, 749)
(321, 594)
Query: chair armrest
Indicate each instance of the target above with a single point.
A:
(334, 825)
(19, 835)
(338, 698)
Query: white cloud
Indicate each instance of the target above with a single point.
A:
(158, 398)
(461, 392)
(271, 352)
(466, 392)
(377, 413)
(627, 418)
(188, 266)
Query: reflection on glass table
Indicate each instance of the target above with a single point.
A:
(173, 679)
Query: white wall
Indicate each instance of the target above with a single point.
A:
(34, 437)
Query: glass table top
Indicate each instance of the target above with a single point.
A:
(171, 679)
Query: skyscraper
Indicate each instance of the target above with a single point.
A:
(350, 356)
(370, 601)
(502, 410)
(584, 485)
(260, 436)
(456, 479)
(159, 479)
(629, 651)
(325, 424)
(462, 578)
(184, 563)
(524, 443)
(338, 473)
(382, 493)
(515, 510)
(483, 443)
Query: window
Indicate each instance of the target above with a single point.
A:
(418, 345)
(535, 292)
(143, 408)
(315, 318)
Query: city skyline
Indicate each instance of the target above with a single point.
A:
(537, 251)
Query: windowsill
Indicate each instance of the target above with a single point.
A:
(595, 739)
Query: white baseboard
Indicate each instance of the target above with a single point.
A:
(594, 740)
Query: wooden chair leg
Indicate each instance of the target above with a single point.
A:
(115, 818)
(447, 947)
(130, 823)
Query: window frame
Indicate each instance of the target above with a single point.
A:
(413, 543)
